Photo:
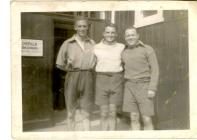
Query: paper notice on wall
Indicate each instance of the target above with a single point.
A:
(32, 47)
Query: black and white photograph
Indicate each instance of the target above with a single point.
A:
(123, 70)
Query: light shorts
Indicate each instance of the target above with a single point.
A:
(136, 98)
(109, 88)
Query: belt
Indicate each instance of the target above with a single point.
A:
(137, 80)
(78, 70)
(110, 74)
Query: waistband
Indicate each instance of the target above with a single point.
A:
(109, 73)
(141, 80)
(79, 70)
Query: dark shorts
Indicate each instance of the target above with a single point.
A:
(78, 90)
(109, 88)
(136, 98)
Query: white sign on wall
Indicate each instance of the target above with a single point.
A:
(32, 47)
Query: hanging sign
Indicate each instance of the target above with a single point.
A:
(32, 47)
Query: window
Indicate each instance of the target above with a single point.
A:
(148, 17)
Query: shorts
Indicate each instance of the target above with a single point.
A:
(109, 88)
(78, 90)
(136, 98)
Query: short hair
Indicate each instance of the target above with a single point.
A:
(78, 18)
(132, 28)
(110, 25)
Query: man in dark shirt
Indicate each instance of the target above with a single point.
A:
(141, 74)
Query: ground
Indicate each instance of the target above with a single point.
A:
(61, 125)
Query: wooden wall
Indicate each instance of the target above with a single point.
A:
(95, 32)
(123, 19)
(170, 41)
(36, 72)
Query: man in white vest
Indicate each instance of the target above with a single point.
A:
(109, 77)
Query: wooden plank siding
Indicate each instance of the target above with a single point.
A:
(95, 32)
(36, 73)
(123, 19)
(170, 41)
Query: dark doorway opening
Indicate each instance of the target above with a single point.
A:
(60, 35)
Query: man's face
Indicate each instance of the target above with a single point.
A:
(81, 26)
(110, 34)
(131, 37)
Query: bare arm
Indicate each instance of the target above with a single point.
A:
(61, 61)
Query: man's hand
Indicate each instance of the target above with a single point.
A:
(69, 64)
(69, 61)
(151, 94)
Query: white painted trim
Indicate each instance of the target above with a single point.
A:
(113, 17)
(144, 21)
(102, 15)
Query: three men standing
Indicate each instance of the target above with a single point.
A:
(79, 57)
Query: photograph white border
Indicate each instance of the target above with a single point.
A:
(141, 21)
(56, 6)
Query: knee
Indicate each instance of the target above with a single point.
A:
(70, 115)
(104, 112)
(134, 117)
(112, 111)
(85, 114)
(147, 120)
(112, 114)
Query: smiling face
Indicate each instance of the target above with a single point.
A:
(110, 34)
(131, 36)
(81, 26)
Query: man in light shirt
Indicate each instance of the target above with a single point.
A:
(76, 57)
(109, 77)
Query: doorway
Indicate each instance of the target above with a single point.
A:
(60, 35)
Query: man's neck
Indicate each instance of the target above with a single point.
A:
(109, 43)
(82, 39)
(133, 46)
